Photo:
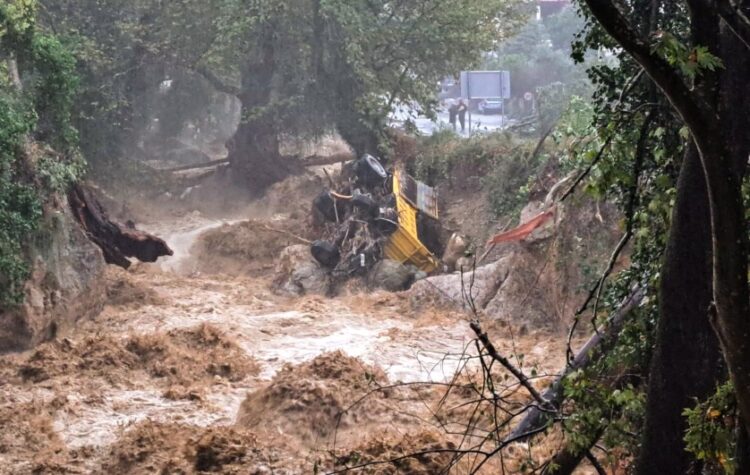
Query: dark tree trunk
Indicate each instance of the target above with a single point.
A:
(254, 156)
(742, 452)
(333, 73)
(686, 360)
(567, 460)
(733, 328)
(360, 137)
(712, 117)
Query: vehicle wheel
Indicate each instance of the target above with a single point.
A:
(366, 204)
(370, 171)
(324, 203)
(387, 222)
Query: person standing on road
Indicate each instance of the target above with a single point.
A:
(452, 113)
(461, 110)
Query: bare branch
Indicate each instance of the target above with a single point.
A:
(519, 375)
(596, 345)
(217, 83)
(737, 21)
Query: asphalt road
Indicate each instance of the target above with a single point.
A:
(480, 123)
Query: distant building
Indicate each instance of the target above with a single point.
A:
(550, 7)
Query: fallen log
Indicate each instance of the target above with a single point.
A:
(597, 345)
(116, 241)
(197, 166)
(311, 161)
(570, 456)
(566, 462)
(320, 160)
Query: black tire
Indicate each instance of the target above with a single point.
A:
(375, 165)
(327, 206)
(325, 253)
(387, 222)
(366, 204)
(370, 172)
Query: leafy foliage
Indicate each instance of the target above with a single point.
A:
(502, 160)
(630, 141)
(690, 61)
(304, 66)
(710, 435)
(40, 112)
(20, 207)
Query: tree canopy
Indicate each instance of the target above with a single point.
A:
(299, 67)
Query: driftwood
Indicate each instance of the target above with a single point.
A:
(320, 160)
(116, 241)
(597, 345)
(311, 161)
(197, 166)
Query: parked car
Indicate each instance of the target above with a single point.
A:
(491, 106)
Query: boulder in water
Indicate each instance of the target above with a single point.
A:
(298, 273)
(391, 275)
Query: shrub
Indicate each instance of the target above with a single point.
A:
(502, 160)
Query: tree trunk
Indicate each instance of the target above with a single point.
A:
(567, 460)
(686, 360)
(596, 347)
(732, 319)
(711, 123)
(360, 137)
(254, 156)
(333, 73)
(116, 241)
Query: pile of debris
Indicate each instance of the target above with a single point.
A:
(377, 224)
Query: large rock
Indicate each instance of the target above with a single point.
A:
(455, 250)
(298, 273)
(391, 275)
(546, 230)
(482, 284)
(66, 285)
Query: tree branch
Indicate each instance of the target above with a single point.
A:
(492, 351)
(694, 111)
(216, 81)
(737, 21)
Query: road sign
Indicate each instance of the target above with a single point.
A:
(485, 84)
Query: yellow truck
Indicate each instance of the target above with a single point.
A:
(404, 245)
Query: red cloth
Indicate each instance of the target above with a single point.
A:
(523, 230)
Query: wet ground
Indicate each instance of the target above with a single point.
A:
(475, 123)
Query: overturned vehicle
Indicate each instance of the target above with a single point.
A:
(377, 224)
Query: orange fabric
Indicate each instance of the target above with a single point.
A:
(523, 230)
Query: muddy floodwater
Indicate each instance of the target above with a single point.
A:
(178, 348)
